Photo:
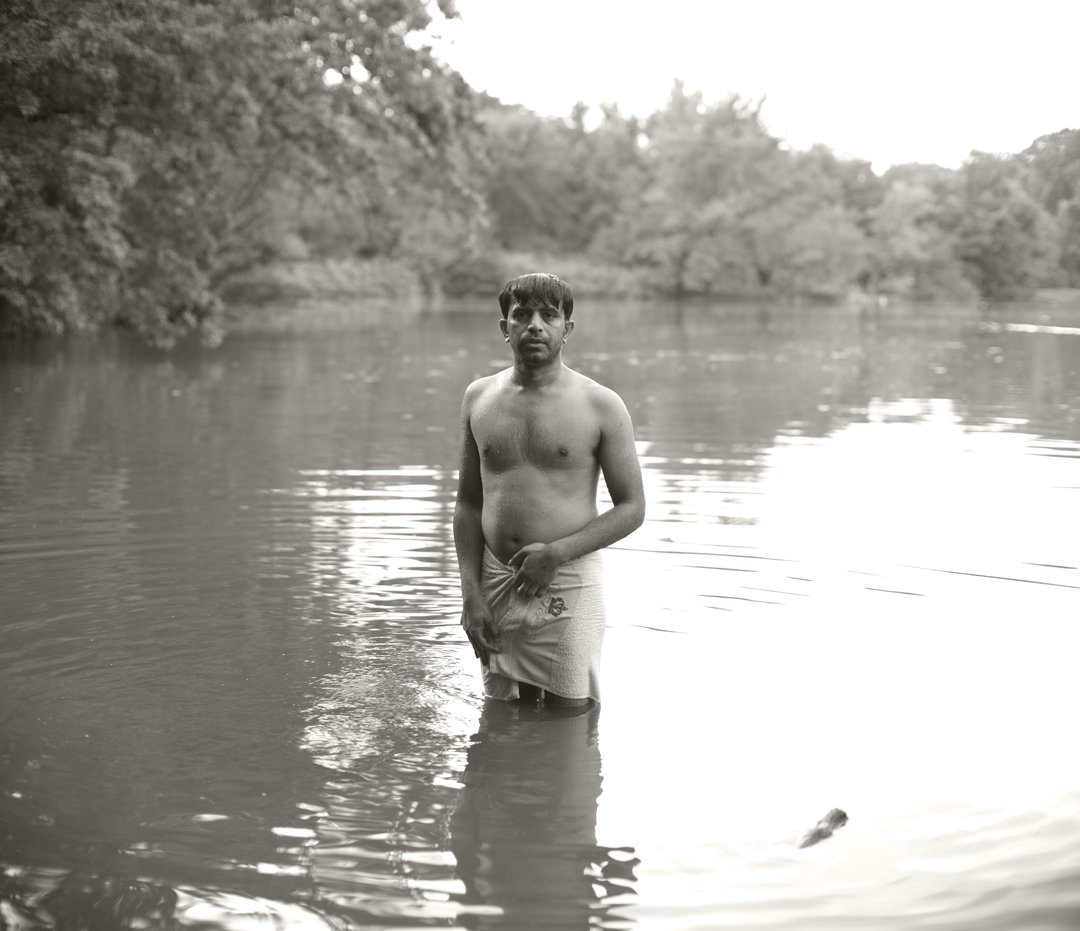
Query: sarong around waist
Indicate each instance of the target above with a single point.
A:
(552, 641)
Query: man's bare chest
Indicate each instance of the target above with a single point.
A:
(509, 436)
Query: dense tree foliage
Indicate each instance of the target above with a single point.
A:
(701, 199)
(1053, 164)
(914, 234)
(1006, 240)
(150, 149)
(154, 152)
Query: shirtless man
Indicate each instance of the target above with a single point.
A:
(534, 440)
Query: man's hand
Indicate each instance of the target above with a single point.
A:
(479, 626)
(534, 568)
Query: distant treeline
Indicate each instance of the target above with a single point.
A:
(156, 154)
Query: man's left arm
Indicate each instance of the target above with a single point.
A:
(536, 563)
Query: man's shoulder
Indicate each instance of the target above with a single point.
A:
(594, 391)
(480, 386)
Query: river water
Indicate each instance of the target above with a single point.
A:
(234, 693)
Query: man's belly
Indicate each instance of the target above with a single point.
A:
(513, 518)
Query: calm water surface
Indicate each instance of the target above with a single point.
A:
(234, 693)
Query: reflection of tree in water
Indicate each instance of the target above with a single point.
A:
(524, 831)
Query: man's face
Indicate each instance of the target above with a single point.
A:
(536, 332)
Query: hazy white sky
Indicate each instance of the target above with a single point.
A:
(887, 81)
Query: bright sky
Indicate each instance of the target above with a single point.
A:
(888, 81)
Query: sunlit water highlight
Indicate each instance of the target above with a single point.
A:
(234, 693)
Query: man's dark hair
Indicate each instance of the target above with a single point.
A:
(550, 290)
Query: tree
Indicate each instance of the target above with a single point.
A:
(722, 208)
(530, 184)
(1006, 240)
(1053, 163)
(915, 232)
(803, 239)
(706, 168)
(143, 143)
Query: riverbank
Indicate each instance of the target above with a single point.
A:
(382, 279)
(402, 283)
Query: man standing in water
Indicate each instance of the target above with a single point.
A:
(534, 440)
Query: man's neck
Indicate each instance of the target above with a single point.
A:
(537, 376)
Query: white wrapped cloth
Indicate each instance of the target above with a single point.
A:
(552, 641)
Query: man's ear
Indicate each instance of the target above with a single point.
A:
(502, 328)
(569, 329)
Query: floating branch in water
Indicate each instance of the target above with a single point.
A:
(833, 821)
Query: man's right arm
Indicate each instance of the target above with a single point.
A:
(476, 615)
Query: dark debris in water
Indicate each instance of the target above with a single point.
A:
(833, 821)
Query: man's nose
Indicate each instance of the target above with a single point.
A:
(536, 322)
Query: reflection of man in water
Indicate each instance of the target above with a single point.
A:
(524, 832)
(534, 439)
